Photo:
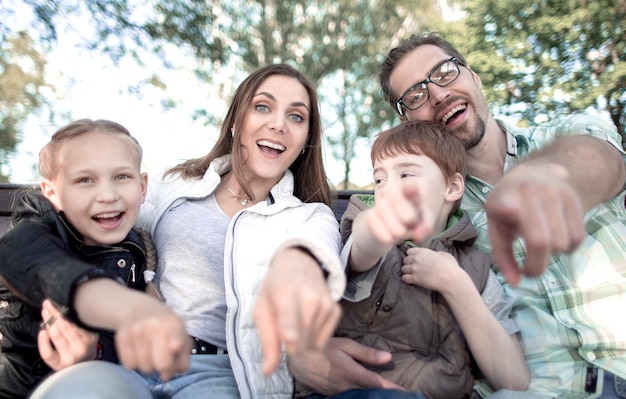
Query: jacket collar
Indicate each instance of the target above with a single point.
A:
(222, 165)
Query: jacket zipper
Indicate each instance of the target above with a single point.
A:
(132, 272)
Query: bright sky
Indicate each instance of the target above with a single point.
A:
(89, 86)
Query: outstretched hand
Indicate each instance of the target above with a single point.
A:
(153, 338)
(149, 336)
(62, 343)
(398, 213)
(294, 308)
(539, 207)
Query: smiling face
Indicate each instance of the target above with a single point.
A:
(275, 128)
(460, 106)
(98, 186)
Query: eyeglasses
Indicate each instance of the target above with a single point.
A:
(441, 75)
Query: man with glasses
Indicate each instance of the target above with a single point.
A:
(554, 198)
(441, 75)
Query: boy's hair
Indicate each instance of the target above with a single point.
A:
(423, 138)
(405, 47)
(48, 161)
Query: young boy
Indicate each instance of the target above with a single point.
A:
(415, 282)
(88, 202)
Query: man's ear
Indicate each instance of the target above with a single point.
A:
(144, 186)
(456, 187)
(49, 191)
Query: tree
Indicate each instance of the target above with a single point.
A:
(544, 58)
(22, 70)
(340, 44)
(337, 43)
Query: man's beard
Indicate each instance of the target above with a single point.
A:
(471, 137)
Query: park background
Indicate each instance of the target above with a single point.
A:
(166, 69)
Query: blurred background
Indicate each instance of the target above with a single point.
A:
(166, 69)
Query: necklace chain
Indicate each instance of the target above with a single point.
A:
(244, 199)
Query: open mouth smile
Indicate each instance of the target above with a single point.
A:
(271, 147)
(453, 113)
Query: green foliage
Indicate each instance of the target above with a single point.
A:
(21, 80)
(545, 57)
(340, 44)
(337, 43)
(536, 58)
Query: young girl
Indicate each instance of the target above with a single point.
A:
(74, 242)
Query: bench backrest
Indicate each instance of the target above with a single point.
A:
(7, 192)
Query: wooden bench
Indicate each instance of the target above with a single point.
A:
(7, 192)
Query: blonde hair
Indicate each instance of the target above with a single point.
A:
(48, 156)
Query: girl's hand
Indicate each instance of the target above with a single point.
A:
(62, 343)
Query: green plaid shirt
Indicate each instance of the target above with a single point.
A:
(573, 317)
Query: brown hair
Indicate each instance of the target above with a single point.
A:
(48, 154)
(423, 138)
(405, 47)
(311, 183)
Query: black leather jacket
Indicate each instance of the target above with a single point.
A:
(41, 256)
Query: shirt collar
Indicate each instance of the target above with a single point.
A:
(511, 142)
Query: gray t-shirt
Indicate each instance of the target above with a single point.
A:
(189, 240)
(499, 303)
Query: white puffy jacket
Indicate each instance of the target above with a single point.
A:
(253, 237)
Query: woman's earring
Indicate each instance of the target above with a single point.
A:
(302, 152)
(232, 132)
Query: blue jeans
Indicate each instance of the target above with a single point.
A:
(613, 387)
(95, 379)
(372, 393)
(208, 376)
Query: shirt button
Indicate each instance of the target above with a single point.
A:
(551, 280)
(485, 190)
(387, 308)
(121, 263)
(591, 356)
